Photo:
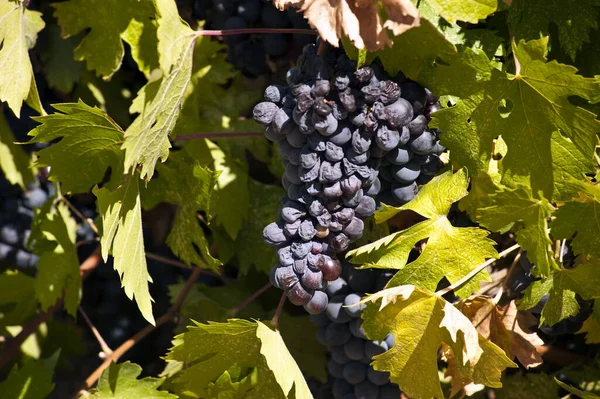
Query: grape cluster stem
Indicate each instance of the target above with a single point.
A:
(249, 31)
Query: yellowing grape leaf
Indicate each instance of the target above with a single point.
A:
(122, 237)
(59, 266)
(211, 349)
(184, 182)
(526, 109)
(450, 251)
(32, 381)
(89, 143)
(562, 285)
(530, 19)
(147, 138)
(107, 23)
(121, 381)
(581, 217)
(361, 22)
(591, 328)
(421, 323)
(506, 327)
(14, 161)
(18, 33)
(17, 298)
(505, 209)
(460, 10)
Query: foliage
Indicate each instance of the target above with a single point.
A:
(146, 118)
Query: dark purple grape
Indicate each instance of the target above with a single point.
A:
(317, 304)
(366, 207)
(366, 390)
(298, 295)
(273, 93)
(264, 112)
(406, 174)
(284, 277)
(331, 268)
(339, 242)
(399, 113)
(273, 235)
(312, 280)
(355, 372)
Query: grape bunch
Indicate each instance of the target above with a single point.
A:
(249, 52)
(332, 124)
(522, 277)
(351, 352)
(16, 215)
(415, 160)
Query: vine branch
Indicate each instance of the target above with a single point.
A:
(169, 316)
(103, 345)
(249, 31)
(223, 135)
(250, 299)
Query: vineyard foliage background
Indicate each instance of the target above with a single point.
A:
(132, 108)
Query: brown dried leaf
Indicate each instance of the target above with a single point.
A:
(505, 326)
(357, 19)
(402, 15)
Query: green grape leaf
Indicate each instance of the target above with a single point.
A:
(577, 392)
(122, 237)
(89, 143)
(147, 138)
(581, 216)
(184, 182)
(518, 210)
(230, 205)
(458, 10)
(300, 335)
(525, 109)
(204, 303)
(562, 285)
(251, 249)
(211, 349)
(226, 388)
(170, 31)
(17, 298)
(106, 27)
(450, 251)
(61, 71)
(141, 37)
(415, 51)
(121, 381)
(59, 267)
(531, 19)
(14, 161)
(18, 33)
(587, 377)
(591, 329)
(421, 322)
(32, 381)
(526, 386)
